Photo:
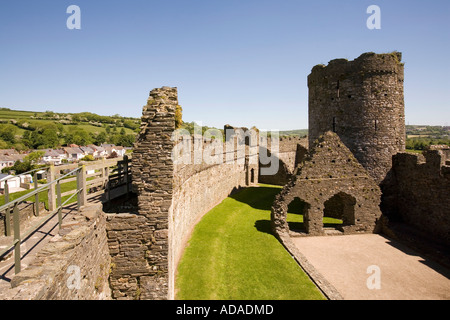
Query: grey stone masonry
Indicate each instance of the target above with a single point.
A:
(418, 191)
(363, 102)
(172, 197)
(139, 242)
(332, 183)
(74, 265)
(291, 151)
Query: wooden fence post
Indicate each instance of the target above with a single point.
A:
(8, 211)
(17, 238)
(51, 174)
(36, 197)
(127, 186)
(81, 184)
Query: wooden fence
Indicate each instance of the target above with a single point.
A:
(97, 181)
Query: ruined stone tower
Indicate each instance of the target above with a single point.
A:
(362, 101)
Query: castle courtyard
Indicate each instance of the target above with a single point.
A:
(374, 267)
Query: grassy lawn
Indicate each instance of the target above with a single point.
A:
(295, 218)
(232, 254)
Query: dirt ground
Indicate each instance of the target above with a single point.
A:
(373, 267)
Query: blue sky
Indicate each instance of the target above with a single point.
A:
(238, 62)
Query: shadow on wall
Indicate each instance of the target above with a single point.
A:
(281, 177)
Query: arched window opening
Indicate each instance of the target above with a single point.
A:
(297, 211)
(339, 211)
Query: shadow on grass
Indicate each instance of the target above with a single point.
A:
(263, 226)
(260, 198)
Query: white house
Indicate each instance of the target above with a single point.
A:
(101, 152)
(53, 157)
(110, 149)
(120, 151)
(74, 154)
(88, 151)
(8, 160)
(13, 181)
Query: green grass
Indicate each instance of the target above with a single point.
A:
(18, 115)
(414, 151)
(295, 219)
(232, 254)
(93, 129)
(15, 114)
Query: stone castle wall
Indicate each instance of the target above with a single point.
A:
(139, 242)
(200, 187)
(173, 194)
(138, 248)
(363, 102)
(291, 152)
(329, 172)
(418, 192)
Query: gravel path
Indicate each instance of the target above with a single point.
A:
(353, 263)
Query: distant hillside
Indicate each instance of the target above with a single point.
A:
(436, 132)
(289, 133)
(25, 130)
(300, 132)
(421, 136)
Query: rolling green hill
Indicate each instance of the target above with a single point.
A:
(24, 130)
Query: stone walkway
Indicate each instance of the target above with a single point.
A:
(353, 263)
(32, 244)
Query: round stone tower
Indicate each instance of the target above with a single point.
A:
(363, 102)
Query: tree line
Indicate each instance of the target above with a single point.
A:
(48, 134)
(421, 143)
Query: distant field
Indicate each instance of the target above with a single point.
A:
(15, 114)
(300, 132)
(19, 115)
(417, 136)
(92, 129)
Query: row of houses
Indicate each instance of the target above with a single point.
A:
(74, 153)
(71, 153)
(8, 157)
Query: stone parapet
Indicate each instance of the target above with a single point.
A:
(74, 265)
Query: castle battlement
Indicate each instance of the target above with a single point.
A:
(365, 65)
(434, 160)
(361, 101)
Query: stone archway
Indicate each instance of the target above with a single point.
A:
(341, 206)
(336, 185)
(298, 209)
